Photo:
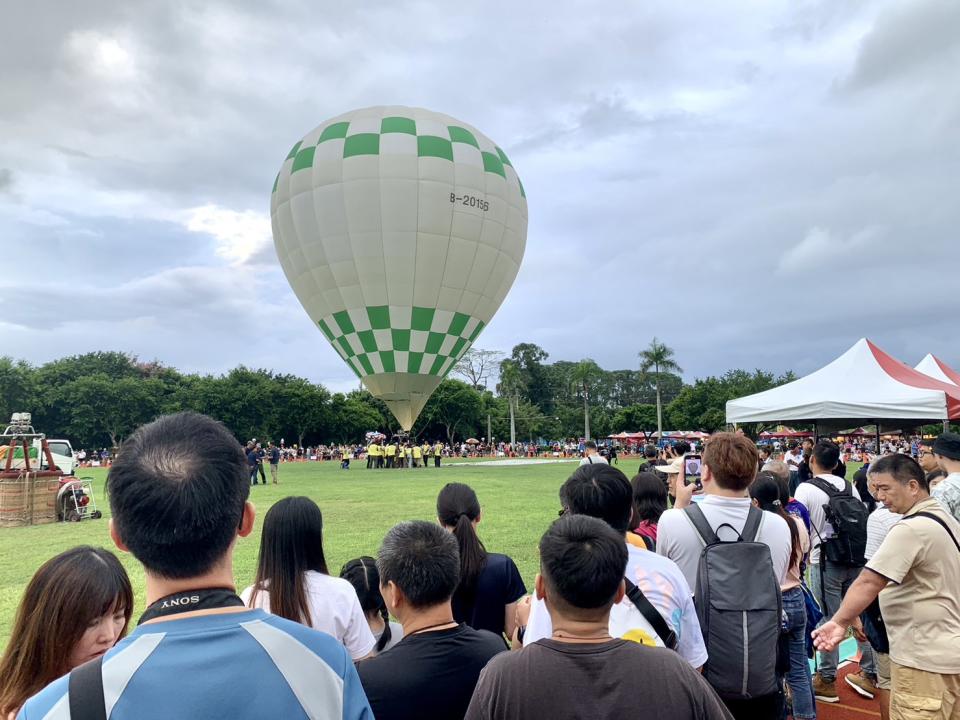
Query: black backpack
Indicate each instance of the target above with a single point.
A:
(848, 517)
(739, 606)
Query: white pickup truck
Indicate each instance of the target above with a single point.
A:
(60, 449)
(62, 453)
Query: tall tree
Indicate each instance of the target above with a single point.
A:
(583, 374)
(477, 365)
(511, 382)
(659, 358)
(16, 388)
(455, 406)
(535, 375)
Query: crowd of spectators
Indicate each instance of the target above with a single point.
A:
(696, 597)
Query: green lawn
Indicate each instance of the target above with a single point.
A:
(359, 506)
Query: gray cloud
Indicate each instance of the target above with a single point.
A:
(757, 186)
(907, 39)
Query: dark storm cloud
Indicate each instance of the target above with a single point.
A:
(758, 186)
(910, 39)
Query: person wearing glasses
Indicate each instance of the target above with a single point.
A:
(926, 457)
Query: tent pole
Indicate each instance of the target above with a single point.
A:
(877, 426)
(816, 436)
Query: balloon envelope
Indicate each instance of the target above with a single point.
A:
(401, 231)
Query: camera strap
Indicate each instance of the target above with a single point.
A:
(191, 601)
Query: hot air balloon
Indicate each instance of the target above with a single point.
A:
(401, 231)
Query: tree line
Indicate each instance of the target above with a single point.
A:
(97, 399)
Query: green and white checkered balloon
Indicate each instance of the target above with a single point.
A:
(401, 231)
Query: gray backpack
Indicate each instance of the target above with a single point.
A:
(739, 606)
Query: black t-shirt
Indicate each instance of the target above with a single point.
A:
(614, 679)
(498, 584)
(428, 675)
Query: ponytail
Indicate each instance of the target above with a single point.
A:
(386, 634)
(458, 508)
(362, 573)
(767, 491)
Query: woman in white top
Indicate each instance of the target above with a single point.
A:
(362, 573)
(293, 582)
(770, 493)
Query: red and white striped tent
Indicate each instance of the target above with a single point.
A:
(864, 383)
(937, 369)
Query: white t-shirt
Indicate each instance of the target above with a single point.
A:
(790, 458)
(814, 499)
(679, 540)
(593, 460)
(334, 609)
(664, 586)
(878, 525)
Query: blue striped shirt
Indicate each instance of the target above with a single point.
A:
(231, 665)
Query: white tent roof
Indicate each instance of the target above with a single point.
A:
(862, 384)
(938, 370)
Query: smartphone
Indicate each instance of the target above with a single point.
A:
(692, 463)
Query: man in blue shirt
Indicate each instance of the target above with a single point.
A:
(178, 493)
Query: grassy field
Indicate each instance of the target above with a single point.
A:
(358, 505)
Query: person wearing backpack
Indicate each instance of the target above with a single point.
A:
(838, 535)
(915, 573)
(657, 608)
(737, 557)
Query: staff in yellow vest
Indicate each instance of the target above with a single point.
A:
(437, 452)
(373, 452)
(408, 453)
(417, 455)
(425, 449)
(391, 454)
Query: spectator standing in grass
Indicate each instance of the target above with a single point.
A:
(433, 671)
(490, 583)
(293, 582)
(580, 671)
(274, 456)
(76, 607)
(649, 503)
(916, 573)
(729, 467)
(178, 492)
(832, 577)
(779, 470)
(766, 492)
(650, 456)
(363, 575)
(881, 520)
(946, 450)
(591, 456)
(603, 492)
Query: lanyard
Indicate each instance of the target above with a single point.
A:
(190, 601)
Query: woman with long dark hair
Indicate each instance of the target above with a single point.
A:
(293, 582)
(490, 584)
(362, 573)
(649, 503)
(768, 493)
(75, 608)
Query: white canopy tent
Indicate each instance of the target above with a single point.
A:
(937, 369)
(864, 383)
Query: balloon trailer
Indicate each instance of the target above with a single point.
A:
(33, 492)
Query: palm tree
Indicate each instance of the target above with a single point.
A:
(660, 358)
(583, 374)
(509, 387)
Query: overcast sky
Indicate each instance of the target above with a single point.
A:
(758, 184)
